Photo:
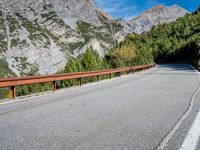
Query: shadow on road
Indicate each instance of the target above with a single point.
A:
(174, 69)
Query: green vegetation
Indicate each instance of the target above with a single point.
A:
(176, 42)
(32, 89)
(39, 36)
(25, 68)
(13, 24)
(128, 54)
(26, 89)
(36, 33)
(63, 46)
(49, 15)
(15, 42)
(23, 44)
(4, 70)
(87, 31)
(89, 61)
(1, 17)
(112, 26)
(84, 27)
(3, 43)
(53, 17)
(74, 46)
(4, 93)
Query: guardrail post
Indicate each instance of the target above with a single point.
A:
(118, 74)
(132, 71)
(80, 81)
(97, 78)
(110, 75)
(53, 86)
(13, 91)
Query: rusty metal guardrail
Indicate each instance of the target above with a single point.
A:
(18, 81)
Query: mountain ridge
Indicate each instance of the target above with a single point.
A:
(158, 14)
(39, 36)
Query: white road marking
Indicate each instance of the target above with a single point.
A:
(193, 135)
(165, 141)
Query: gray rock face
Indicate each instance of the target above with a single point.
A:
(38, 36)
(156, 15)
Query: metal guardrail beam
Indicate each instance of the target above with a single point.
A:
(18, 81)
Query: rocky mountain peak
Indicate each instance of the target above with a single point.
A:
(38, 36)
(156, 8)
(157, 15)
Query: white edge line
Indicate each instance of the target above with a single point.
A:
(165, 141)
(193, 135)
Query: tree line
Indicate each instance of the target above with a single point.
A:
(176, 42)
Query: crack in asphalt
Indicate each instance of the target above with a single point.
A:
(173, 130)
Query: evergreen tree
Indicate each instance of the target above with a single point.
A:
(71, 66)
(173, 42)
(89, 60)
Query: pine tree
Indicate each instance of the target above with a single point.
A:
(89, 60)
(71, 66)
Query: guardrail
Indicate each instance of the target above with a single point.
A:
(18, 81)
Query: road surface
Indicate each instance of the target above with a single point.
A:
(134, 112)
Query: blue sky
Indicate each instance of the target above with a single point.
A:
(130, 8)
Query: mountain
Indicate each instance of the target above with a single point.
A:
(157, 15)
(175, 42)
(38, 36)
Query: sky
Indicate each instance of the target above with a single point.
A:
(128, 9)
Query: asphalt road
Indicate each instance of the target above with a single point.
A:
(134, 112)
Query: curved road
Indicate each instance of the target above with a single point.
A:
(134, 112)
